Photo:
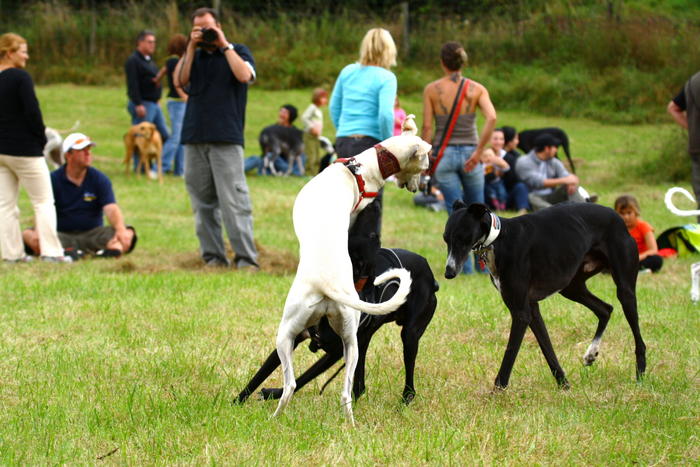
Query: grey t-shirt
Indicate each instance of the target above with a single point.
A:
(534, 171)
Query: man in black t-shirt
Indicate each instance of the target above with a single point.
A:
(216, 74)
(685, 110)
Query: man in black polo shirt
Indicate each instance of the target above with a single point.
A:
(216, 74)
(83, 194)
(685, 110)
(142, 88)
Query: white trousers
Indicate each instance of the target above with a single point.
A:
(32, 173)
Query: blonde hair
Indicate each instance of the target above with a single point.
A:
(627, 202)
(10, 42)
(378, 48)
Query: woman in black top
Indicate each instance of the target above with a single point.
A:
(22, 141)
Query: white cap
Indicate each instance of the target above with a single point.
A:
(76, 141)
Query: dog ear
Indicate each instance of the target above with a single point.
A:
(481, 212)
(477, 210)
(458, 204)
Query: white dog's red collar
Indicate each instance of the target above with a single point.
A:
(352, 165)
(388, 166)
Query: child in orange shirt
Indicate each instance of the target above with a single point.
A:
(642, 232)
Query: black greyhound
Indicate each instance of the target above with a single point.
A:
(527, 141)
(368, 260)
(553, 250)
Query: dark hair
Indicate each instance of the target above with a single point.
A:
(627, 202)
(203, 11)
(509, 133)
(292, 112)
(545, 140)
(143, 34)
(453, 56)
(177, 44)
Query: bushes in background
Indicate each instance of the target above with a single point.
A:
(550, 57)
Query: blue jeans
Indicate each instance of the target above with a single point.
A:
(517, 197)
(455, 183)
(154, 115)
(495, 193)
(173, 151)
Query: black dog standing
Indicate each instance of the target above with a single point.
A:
(368, 260)
(553, 250)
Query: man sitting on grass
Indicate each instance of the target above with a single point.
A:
(83, 194)
(547, 181)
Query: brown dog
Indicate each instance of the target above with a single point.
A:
(146, 140)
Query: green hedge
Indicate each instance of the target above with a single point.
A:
(559, 59)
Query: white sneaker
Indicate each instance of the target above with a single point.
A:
(57, 259)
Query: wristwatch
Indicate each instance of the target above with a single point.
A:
(228, 47)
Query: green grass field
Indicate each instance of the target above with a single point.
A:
(135, 361)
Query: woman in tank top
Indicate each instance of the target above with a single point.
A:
(459, 174)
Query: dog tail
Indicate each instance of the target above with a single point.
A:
(383, 308)
(671, 207)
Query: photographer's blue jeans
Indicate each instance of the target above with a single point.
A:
(455, 183)
(154, 115)
(173, 151)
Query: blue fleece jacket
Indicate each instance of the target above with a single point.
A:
(362, 102)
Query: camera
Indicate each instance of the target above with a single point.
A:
(209, 35)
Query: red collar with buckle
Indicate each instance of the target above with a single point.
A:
(388, 165)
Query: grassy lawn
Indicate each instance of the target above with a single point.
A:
(136, 360)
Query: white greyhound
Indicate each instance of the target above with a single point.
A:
(695, 267)
(324, 210)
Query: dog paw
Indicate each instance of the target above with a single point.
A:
(589, 358)
(408, 397)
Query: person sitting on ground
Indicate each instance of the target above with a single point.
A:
(642, 232)
(516, 189)
(547, 180)
(83, 194)
(284, 129)
(495, 167)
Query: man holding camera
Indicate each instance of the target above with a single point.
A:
(215, 74)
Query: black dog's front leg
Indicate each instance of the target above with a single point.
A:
(518, 326)
(271, 363)
(540, 332)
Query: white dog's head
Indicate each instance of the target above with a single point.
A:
(412, 154)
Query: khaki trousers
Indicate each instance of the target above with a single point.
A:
(32, 174)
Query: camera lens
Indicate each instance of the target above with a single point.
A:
(209, 35)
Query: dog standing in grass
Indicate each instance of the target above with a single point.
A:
(144, 138)
(324, 210)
